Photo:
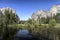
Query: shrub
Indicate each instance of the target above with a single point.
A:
(52, 22)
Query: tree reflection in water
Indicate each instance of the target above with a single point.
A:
(26, 35)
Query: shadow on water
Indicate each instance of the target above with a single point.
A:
(25, 35)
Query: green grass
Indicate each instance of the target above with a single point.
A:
(57, 25)
(23, 25)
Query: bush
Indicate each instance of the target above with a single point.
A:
(52, 22)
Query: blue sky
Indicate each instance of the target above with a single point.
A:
(25, 8)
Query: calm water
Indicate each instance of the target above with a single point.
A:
(24, 35)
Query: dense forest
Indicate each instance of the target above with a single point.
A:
(47, 27)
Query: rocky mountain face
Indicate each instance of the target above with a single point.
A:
(55, 9)
(40, 13)
(2, 10)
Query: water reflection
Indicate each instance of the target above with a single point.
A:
(23, 35)
(26, 35)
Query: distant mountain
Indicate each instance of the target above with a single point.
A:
(7, 9)
(44, 14)
(55, 9)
